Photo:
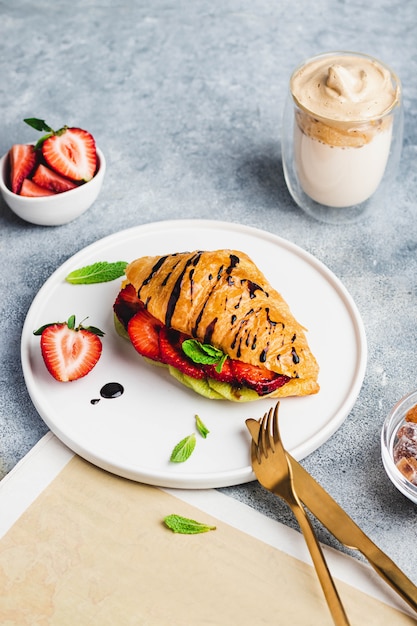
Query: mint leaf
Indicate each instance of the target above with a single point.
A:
(219, 365)
(100, 272)
(183, 450)
(201, 427)
(186, 526)
(204, 353)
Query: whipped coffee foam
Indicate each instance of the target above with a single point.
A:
(344, 88)
(343, 128)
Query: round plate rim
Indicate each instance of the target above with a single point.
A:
(225, 478)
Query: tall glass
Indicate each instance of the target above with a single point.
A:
(342, 135)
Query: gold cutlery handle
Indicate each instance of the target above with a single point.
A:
(330, 592)
(391, 573)
(338, 522)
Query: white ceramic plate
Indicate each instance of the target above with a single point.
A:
(134, 434)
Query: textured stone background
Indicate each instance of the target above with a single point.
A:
(185, 100)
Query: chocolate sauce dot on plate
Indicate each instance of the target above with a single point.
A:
(108, 391)
(111, 390)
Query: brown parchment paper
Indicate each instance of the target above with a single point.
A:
(93, 550)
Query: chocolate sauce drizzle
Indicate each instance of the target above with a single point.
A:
(154, 270)
(175, 293)
(241, 329)
(109, 391)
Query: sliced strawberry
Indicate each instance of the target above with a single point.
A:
(260, 379)
(153, 339)
(226, 375)
(127, 304)
(32, 190)
(72, 153)
(144, 330)
(69, 352)
(170, 342)
(22, 160)
(45, 177)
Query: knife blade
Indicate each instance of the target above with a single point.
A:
(343, 528)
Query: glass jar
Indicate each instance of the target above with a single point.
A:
(389, 440)
(342, 135)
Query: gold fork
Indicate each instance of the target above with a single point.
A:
(273, 471)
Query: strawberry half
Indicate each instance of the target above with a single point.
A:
(72, 153)
(127, 304)
(32, 190)
(69, 352)
(46, 178)
(226, 374)
(259, 379)
(152, 339)
(144, 329)
(22, 161)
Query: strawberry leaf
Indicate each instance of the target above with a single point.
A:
(99, 272)
(42, 328)
(94, 330)
(71, 322)
(71, 325)
(38, 124)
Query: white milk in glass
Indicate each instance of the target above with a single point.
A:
(340, 176)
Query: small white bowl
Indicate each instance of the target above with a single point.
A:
(58, 209)
(393, 422)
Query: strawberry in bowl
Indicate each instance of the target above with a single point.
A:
(55, 180)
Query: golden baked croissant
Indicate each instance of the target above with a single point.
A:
(219, 299)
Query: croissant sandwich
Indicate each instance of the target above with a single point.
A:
(214, 320)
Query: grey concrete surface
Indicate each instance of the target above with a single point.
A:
(185, 99)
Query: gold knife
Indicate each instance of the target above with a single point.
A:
(338, 522)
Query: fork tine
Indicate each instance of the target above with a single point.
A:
(274, 472)
(264, 435)
(269, 435)
(273, 429)
(275, 426)
(279, 446)
(261, 447)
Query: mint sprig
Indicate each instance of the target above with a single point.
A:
(100, 272)
(184, 449)
(204, 353)
(201, 427)
(185, 525)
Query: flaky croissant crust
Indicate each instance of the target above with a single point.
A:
(221, 297)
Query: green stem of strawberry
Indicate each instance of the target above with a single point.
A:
(41, 126)
(71, 325)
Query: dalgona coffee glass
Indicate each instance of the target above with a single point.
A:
(342, 135)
